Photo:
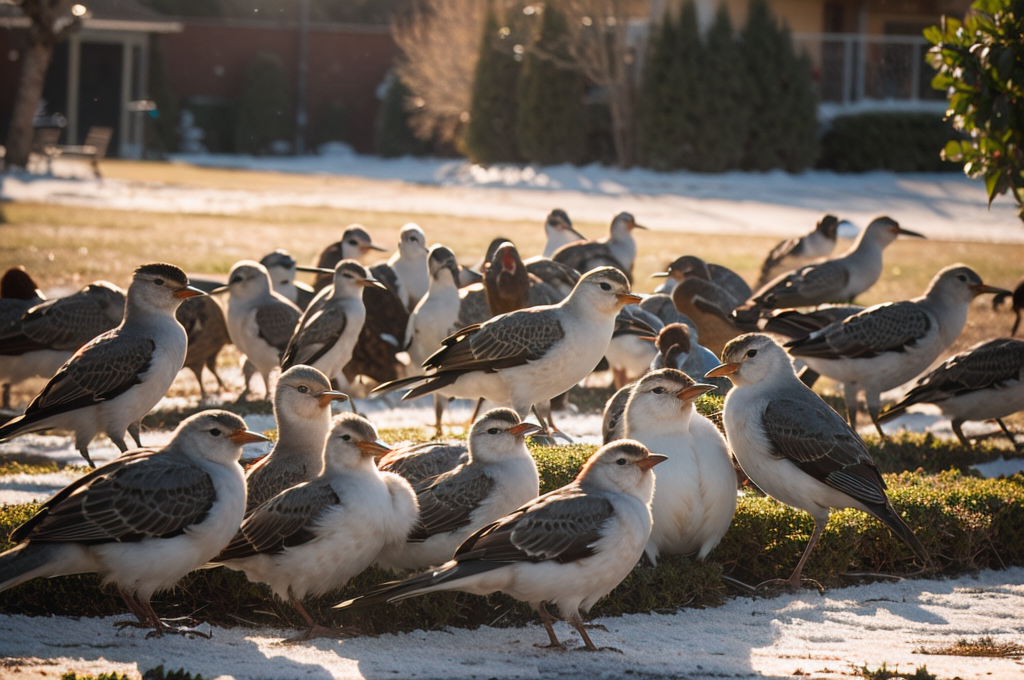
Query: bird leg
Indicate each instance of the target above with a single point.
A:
(577, 623)
(852, 406)
(544, 417)
(439, 405)
(7, 395)
(83, 449)
(1006, 431)
(313, 629)
(476, 410)
(134, 430)
(548, 621)
(794, 581)
(118, 442)
(957, 424)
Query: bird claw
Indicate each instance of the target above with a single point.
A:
(780, 585)
(178, 630)
(314, 632)
(595, 626)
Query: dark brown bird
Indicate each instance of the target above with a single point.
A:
(383, 333)
(506, 281)
(203, 321)
(355, 243)
(1017, 298)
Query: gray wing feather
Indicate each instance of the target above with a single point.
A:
(287, 519)
(425, 461)
(276, 322)
(318, 330)
(810, 285)
(266, 480)
(891, 327)
(447, 501)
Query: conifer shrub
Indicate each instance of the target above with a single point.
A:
(393, 136)
(901, 142)
(491, 131)
(265, 113)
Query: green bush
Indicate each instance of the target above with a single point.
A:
(393, 135)
(493, 110)
(266, 113)
(902, 142)
(726, 115)
(333, 125)
(216, 118)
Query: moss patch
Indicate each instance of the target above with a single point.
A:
(983, 646)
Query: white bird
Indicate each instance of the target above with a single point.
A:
(840, 279)
(498, 476)
(631, 349)
(618, 250)
(143, 520)
(44, 335)
(329, 328)
(435, 318)
(559, 231)
(886, 345)
(302, 411)
(281, 267)
(531, 355)
(410, 264)
(794, 447)
(799, 249)
(569, 547)
(113, 381)
(986, 382)
(695, 498)
(355, 244)
(312, 538)
(260, 320)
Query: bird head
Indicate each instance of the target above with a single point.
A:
(350, 278)
(751, 358)
(685, 267)
(16, 284)
(959, 283)
(884, 230)
(661, 402)
(247, 280)
(605, 290)
(412, 242)
(217, 436)
(558, 223)
(624, 466)
(356, 243)
(623, 223)
(828, 226)
(108, 297)
(353, 444)
(160, 286)
(441, 262)
(303, 395)
(281, 267)
(674, 342)
(498, 433)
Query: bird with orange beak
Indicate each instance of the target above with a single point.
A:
(618, 250)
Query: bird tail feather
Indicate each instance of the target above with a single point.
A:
(12, 428)
(27, 562)
(888, 516)
(446, 577)
(392, 385)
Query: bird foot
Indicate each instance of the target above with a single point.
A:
(595, 626)
(162, 628)
(314, 632)
(551, 645)
(783, 585)
(598, 649)
(543, 439)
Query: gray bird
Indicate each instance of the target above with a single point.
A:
(618, 250)
(559, 231)
(281, 267)
(112, 382)
(18, 294)
(207, 332)
(355, 244)
(691, 266)
(568, 548)
(799, 249)
(794, 447)
(302, 412)
(143, 520)
(986, 382)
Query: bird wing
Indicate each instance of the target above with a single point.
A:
(263, 481)
(586, 256)
(780, 252)
(818, 441)
(562, 525)
(102, 370)
(473, 308)
(508, 340)
(447, 501)
(276, 322)
(890, 327)
(613, 419)
(424, 461)
(318, 330)
(730, 281)
(810, 285)
(288, 519)
(138, 496)
(986, 366)
(61, 324)
(374, 354)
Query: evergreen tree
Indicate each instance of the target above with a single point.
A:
(783, 130)
(392, 135)
(491, 132)
(550, 125)
(265, 110)
(654, 108)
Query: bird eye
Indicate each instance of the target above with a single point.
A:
(605, 286)
(236, 279)
(302, 389)
(353, 242)
(658, 390)
(158, 282)
(347, 276)
(493, 430)
(620, 461)
(346, 437)
(751, 353)
(961, 277)
(215, 432)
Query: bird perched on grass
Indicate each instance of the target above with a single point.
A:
(43, 336)
(302, 412)
(312, 538)
(794, 447)
(618, 250)
(817, 244)
(327, 331)
(568, 548)
(409, 263)
(355, 244)
(282, 267)
(886, 345)
(207, 332)
(695, 497)
(260, 320)
(144, 520)
(497, 476)
(531, 355)
(986, 382)
(840, 279)
(559, 231)
(113, 381)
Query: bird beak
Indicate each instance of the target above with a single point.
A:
(220, 290)
(187, 292)
(982, 288)
(648, 338)
(374, 246)
(690, 393)
(523, 429)
(241, 436)
(327, 396)
(377, 448)
(634, 225)
(575, 233)
(370, 282)
(650, 461)
(722, 371)
(906, 232)
(628, 298)
(660, 275)
(315, 270)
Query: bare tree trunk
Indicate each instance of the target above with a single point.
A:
(30, 90)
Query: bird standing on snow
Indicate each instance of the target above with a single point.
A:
(531, 355)
(498, 476)
(559, 231)
(984, 383)
(569, 547)
(312, 538)
(302, 411)
(794, 447)
(144, 520)
(886, 345)
(410, 264)
(817, 244)
(695, 497)
(328, 329)
(618, 250)
(260, 320)
(112, 382)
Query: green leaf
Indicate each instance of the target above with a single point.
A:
(952, 151)
(992, 181)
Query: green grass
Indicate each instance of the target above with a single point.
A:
(984, 646)
(885, 673)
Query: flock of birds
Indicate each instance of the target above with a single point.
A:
(331, 499)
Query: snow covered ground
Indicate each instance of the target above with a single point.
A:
(807, 634)
(942, 206)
